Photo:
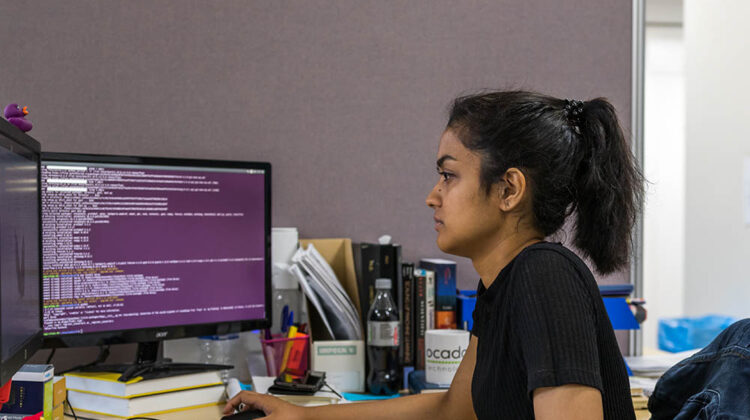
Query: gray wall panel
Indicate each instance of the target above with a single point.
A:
(346, 99)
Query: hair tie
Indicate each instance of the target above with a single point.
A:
(573, 111)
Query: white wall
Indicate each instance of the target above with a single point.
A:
(717, 241)
(664, 168)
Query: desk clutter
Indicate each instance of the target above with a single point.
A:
(370, 310)
(35, 393)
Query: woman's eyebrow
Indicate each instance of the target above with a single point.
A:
(443, 159)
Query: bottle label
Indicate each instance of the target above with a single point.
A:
(382, 334)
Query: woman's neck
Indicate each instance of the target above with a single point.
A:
(491, 262)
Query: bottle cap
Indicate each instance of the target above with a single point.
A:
(383, 283)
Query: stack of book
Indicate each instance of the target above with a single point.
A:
(640, 401)
(418, 384)
(102, 393)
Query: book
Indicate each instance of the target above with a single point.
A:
(407, 321)
(424, 303)
(418, 384)
(31, 391)
(445, 290)
(106, 383)
(430, 299)
(146, 405)
(367, 269)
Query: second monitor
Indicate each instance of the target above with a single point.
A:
(140, 249)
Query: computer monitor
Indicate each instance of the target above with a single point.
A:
(143, 249)
(20, 313)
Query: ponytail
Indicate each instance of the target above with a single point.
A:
(574, 155)
(608, 188)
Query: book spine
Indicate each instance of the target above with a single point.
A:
(420, 317)
(430, 299)
(48, 400)
(398, 294)
(367, 266)
(407, 321)
(445, 292)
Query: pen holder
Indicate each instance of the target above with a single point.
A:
(286, 355)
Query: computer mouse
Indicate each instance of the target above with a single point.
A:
(245, 415)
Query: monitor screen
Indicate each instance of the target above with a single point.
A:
(134, 248)
(20, 325)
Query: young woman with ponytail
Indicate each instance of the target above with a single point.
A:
(513, 167)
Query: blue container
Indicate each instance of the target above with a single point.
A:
(465, 303)
(681, 334)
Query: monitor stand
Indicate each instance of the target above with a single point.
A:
(149, 366)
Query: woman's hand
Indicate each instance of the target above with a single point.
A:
(273, 407)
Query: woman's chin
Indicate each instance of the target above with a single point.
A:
(447, 246)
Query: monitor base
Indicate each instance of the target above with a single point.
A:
(149, 366)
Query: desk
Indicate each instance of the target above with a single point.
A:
(214, 412)
(262, 383)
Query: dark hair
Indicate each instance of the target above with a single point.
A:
(574, 162)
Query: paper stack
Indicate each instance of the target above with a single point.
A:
(323, 289)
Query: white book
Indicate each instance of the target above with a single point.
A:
(148, 405)
(430, 299)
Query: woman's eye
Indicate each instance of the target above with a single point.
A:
(447, 176)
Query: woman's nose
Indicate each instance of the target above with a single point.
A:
(433, 198)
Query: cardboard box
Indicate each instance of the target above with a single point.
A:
(342, 360)
(58, 413)
(58, 390)
(338, 253)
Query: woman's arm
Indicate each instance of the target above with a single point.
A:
(453, 404)
(571, 401)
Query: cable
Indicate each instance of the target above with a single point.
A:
(52, 353)
(103, 354)
(333, 390)
(70, 406)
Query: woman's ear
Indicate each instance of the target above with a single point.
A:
(511, 189)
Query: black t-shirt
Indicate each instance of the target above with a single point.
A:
(542, 323)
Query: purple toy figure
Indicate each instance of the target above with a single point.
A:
(16, 116)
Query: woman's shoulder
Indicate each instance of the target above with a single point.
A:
(553, 252)
(550, 263)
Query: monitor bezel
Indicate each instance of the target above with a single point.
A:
(25, 351)
(176, 331)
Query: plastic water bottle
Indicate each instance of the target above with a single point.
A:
(217, 350)
(383, 335)
(286, 296)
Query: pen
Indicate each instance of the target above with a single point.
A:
(284, 319)
(288, 348)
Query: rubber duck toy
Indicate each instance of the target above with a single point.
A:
(16, 116)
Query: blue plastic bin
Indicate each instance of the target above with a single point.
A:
(681, 334)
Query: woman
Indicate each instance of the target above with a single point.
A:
(513, 166)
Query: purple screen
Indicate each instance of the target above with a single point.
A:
(135, 246)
